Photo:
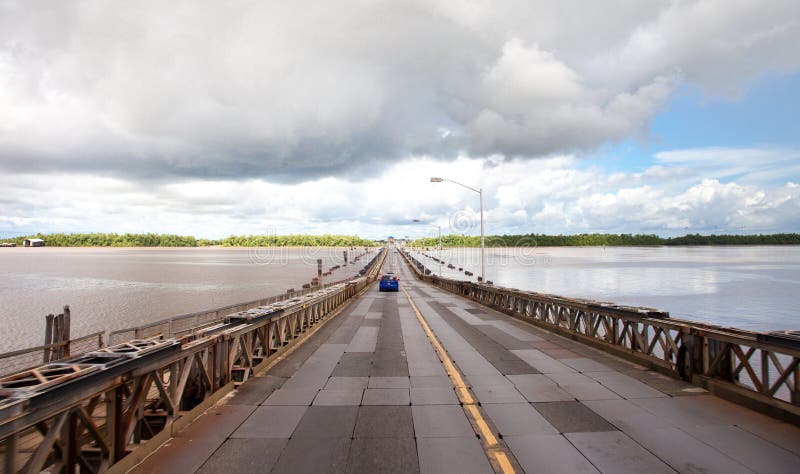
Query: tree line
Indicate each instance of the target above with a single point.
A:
(170, 240)
(291, 240)
(610, 240)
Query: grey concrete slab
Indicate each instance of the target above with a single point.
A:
(466, 316)
(327, 422)
(570, 378)
(217, 422)
(781, 434)
(614, 451)
(362, 307)
(327, 353)
(547, 454)
(347, 397)
(271, 422)
(561, 353)
(353, 364)
(670, 386)
(364, 340)
(384, 422)
(374, 315)
(287, 396)
(434, 396)
(530, 354)
(729, 412)
(178, 455)
(679, 413)
(328, 455)
(191, 447)
(389, 367)
(346, 383)
(254, 456)
(501, 337)
(368, 455)
(498, 394)
(434, 381)
(583, 364)
(515, 419)
(589, 391)
(427, 369)
(386, 396)
(306, 381)
(550, 366)
(440, 421)
(572, 417)
(344, 334)
(496, 380)
(389, 382)
(514, 367)
(748, 449)
(255, 390)
(459, 455)
(582, 387)
(539, 388)
(624, 386)
(626, 415)
(685, 453)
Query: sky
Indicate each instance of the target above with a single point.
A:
(212, 119)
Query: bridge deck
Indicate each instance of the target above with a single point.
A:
(367, 393)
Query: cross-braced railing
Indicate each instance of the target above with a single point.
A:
(761, 370)
(86, 413)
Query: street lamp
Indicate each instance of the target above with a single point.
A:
(480, 194)
(439, 249)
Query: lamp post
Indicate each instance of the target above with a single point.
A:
(439, 249)
(483, 246)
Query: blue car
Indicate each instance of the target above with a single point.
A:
(389, 282)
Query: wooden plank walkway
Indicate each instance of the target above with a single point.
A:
(368, 393)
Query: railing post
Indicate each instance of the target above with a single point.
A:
(724, 369)
(67, 332)
(9, 464)
(48, 337)
(689, 359)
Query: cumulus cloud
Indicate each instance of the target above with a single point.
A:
(300, 90)
(554, 195)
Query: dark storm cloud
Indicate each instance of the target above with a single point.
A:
(289, 91)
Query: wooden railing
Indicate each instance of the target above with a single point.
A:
(759, 370)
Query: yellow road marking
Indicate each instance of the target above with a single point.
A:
(493, 448)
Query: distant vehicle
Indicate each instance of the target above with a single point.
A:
(389, 282)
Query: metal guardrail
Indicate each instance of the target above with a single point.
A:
(177, 326)
(90, 411)
(22, 359)
(759, 370)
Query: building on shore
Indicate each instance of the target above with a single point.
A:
(8, 244)
(33, 243)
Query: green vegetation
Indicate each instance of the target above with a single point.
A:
(611, 240)
(110, 240)
(297, 240)
(167, 240)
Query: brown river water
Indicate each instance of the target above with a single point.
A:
(115, 288)
(748, 287)
(756, 288)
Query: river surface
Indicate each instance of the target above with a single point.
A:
(755, 288)
(117, 288)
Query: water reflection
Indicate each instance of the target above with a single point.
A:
(753, 288)
(114, 288)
